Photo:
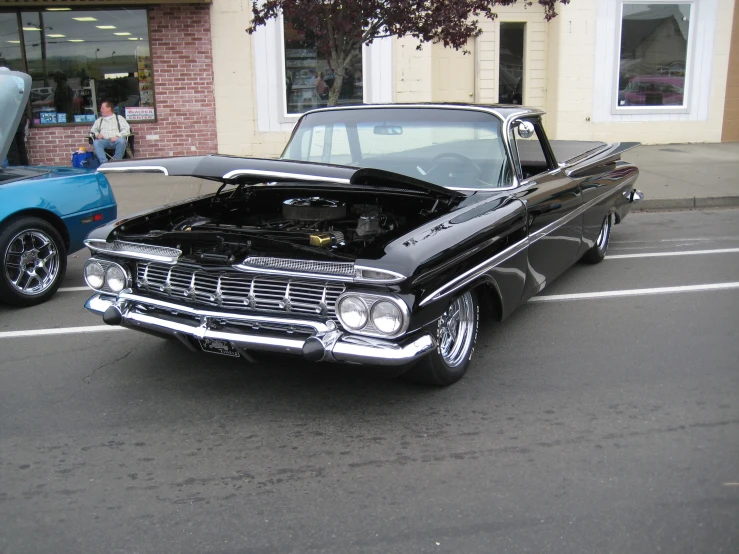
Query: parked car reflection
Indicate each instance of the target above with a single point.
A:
(653, 90)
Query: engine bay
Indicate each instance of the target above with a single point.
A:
(226, 228)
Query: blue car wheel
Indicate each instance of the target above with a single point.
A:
(33, 261)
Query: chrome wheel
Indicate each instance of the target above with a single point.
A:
(457, 330)
(605, 231)
(597, 252)
(31, 262)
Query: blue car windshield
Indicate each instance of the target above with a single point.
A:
(451, 147)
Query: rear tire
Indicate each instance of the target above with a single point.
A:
(598, 250)
(33, 260)
(456, 336)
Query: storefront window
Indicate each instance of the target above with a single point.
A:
(10, 48)
(79, 58)
(654, 56)
(309, 73)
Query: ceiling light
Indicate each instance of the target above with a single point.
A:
(105, 26)
(55, 36)
(14, 41)
(132, 38)
(58, 9)
(85, 18)
(122, 34)
(31, 29)
(75, 40)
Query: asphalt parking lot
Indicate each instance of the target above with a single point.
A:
(601, 417)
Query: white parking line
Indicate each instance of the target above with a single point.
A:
(683, 253)
(74, 289)
(632, 292)
(59, 331)
(690, 239)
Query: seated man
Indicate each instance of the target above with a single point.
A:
(109, 131)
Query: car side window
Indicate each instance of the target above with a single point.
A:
(530, 153)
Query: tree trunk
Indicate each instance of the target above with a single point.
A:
(333, 94)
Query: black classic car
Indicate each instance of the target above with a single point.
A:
(378, 237)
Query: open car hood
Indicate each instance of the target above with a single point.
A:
(237, 170)
(15, 88)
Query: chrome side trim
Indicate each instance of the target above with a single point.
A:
(132, 169)
(472, 274)
(283, 175)
(538, 235)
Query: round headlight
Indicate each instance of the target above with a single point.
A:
(387, 317)
(115, 278)
(94, 275)
(353, 312)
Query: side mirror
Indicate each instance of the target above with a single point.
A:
(525, 129)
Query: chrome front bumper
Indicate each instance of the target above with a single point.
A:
(314, 340)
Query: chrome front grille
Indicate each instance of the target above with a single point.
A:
(239, 291)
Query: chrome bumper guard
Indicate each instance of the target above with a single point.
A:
(320, 341)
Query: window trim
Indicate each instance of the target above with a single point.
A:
(18, 9)
(689, 62)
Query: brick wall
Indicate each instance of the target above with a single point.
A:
(181, 54)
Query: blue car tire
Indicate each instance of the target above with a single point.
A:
(33, 260)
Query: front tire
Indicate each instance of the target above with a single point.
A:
(598, 251)
(33, 261)
(456, 336)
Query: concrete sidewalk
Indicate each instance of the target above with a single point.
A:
(672, 177)
(685, 176)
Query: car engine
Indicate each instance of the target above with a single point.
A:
(322, 225)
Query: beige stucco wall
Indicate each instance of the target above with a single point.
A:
(234, 83)
(570, 84)
(412, 77)
(559, 77)
(535, 55)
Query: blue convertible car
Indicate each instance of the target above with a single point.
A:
(45, 212)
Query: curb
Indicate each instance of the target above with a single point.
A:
(692, 203)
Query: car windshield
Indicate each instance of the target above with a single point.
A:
(450, 147)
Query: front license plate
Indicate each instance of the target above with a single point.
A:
(222, 347)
